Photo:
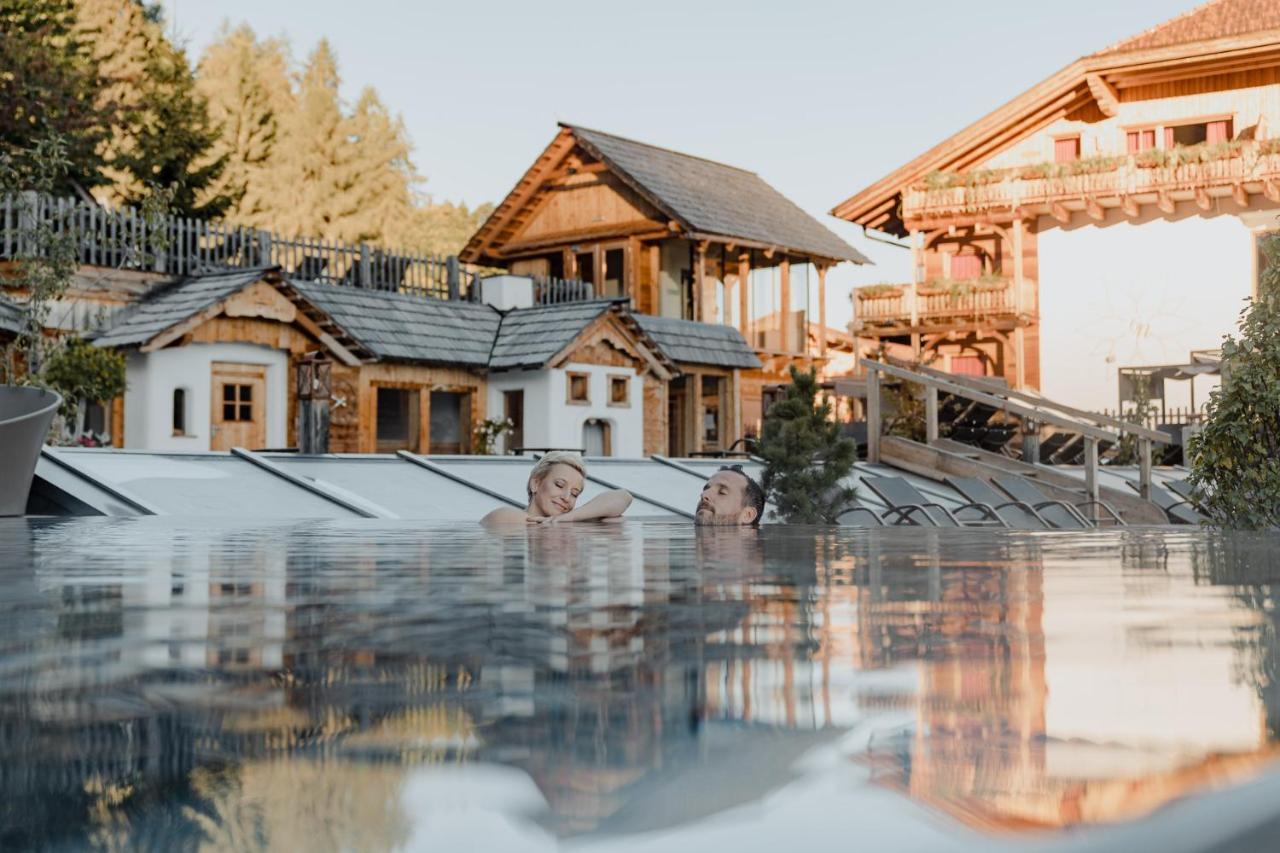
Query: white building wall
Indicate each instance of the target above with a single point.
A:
(1129, 295)
(549, 421)
(152, 378)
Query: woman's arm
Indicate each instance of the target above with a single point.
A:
(611, 504)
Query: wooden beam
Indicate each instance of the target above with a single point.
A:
(1129, 205)
(1165, 202)
(1271, 190)
(1104, 93)
(1060, 212)
(1240, 195)
(1202, 199)
(873, 413)
(1094, 209)
(822, 311)
(784, 311)
(744, 302)
(699, 274)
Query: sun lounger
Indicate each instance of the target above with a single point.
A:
(1053, 444)
(908, 506)
(859, 516)
(1016, 514)
(1058, 513)
(1177, 510)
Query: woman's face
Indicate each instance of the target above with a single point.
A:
(556, 492)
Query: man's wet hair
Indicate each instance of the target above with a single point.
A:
(753, 496)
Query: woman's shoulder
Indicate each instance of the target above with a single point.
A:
(505, 515)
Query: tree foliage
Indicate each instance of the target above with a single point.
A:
(82, 374)
(806, 458)
(1236, 457)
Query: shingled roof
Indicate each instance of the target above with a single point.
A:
(691, 342)
(398, 327)
(1213, 20)
(711, 198)
(10, 316)
(173, 304)
(529, 337)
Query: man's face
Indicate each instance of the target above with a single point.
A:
(723, 499)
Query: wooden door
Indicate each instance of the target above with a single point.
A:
(238, 412)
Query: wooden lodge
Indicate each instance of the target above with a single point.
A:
(684, 239)
(1165, 131)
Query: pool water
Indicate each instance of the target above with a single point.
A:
(331, 685)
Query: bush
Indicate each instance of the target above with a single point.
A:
(806, 458)
(1236, 457)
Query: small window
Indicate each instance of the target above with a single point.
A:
(711, 426)
(619, 390)
(180, 411)
(237, 403)
(579, 388)
(1066, 150)
(1137, 141)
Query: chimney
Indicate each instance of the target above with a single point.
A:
(505, 292)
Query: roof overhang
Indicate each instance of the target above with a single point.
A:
(643, 346)
(1097, 81)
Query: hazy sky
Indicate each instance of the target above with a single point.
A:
(820, 97)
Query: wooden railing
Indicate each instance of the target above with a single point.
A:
(1011, 188)
(911, 304)
(173, 245)
(554, 291)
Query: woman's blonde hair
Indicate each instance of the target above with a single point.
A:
(549, 460)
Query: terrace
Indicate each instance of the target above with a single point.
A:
(893, 309)
(1203, 174)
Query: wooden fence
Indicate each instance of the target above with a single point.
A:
(554, 291)
(125, 238)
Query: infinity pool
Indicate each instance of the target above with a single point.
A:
(169, 684)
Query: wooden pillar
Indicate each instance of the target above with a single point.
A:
(744, 303)
(424, 420)
(822, 311)
(930, 414)
(699, 277)
(695, 408)
(735, 406)
(914, 310)
(784, 312)
(1019, 335)
(873, 414)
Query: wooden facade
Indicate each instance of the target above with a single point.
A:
(1168, 125)
(577, 214)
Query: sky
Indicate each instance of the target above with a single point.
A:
(820, 97)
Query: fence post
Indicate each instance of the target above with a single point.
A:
(28, 220)
(264, 249)
(451, 275)
(1091, 471)
(930, 414)
(1144, 468)
(873, 414)
(1030, 441)
(366, 267)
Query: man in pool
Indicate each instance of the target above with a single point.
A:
(730, 498)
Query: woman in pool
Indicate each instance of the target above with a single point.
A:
(554, 485)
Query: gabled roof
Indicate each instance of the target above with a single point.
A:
(399, 327)
(170, 305)
(711, 198)
(530, 337)
(697, 198)
(10, 316)
(1212, 20)
(1211, 39)
(690, 342)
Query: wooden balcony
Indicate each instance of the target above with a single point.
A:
(1235, 170)
(882, 309)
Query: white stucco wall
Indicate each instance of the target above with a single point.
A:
(152, 378)
(551, 422)
(1129, 295)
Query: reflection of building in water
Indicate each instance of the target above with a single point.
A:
(1010, 653)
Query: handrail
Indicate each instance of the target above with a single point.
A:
(1122, 426)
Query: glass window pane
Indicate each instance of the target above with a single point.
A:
(228, 393)
(205, 485)
(400, 487)
(246, 393)
(393, 414)
(246, 412)
(229, 412)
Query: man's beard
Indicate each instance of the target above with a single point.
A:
(706, 517)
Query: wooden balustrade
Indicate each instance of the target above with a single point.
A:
(910, 304)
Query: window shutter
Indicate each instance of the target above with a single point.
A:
(1149, 139)
(1168, 137)
(1066, 150)
(1131, 142)
(1218, 131)
(966, 266)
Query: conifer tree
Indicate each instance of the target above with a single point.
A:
(49, 90)
(245, 83)
(159, 131)
(806, 458)
(380, 175)
(443, 228)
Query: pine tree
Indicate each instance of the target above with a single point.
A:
(380, 175)
(806, 458)
(245, 83)
(160, 133)
(49, 89)
(443, 228)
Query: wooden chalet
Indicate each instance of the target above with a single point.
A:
(1167, 126)
(683, 238)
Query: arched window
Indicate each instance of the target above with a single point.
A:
(179, 411)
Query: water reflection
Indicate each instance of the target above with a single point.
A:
(342, 686)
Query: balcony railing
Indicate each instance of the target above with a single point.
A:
(914, 305)
(1236, 165)
(172, 245)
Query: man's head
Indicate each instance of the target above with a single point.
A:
(730, 497)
